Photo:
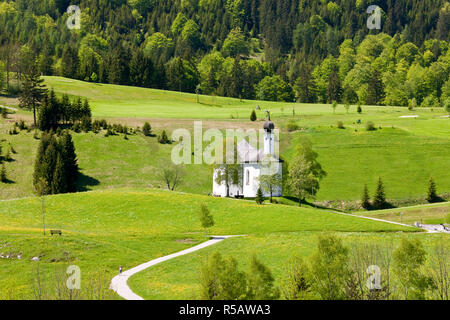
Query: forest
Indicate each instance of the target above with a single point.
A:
(278, 50)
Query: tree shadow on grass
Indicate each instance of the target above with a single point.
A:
(84, 182)
(7, 181)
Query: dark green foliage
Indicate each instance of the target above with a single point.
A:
(365, 200)
(163, 138)
(359, 109)
(55, 112)
(253, 116)
(432, 195)
(259, 197)
(147, 129)
(379, 200)
(370, 126)
(158, 44)
(56, 164)
(3, 175)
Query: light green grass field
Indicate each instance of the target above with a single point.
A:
(405, 152)
(180, 278)
(133, 102)
(103, 230)
(426, 214)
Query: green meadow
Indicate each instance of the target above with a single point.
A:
(436, 213)
(103, 230)
(180, 278)
(122, 215)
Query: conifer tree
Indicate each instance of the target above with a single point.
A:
(432, 192)
(365, 201)
(3, 175)
(253, 116)
(59, 177)
(379, 200)
(70, 161)
(259, 197)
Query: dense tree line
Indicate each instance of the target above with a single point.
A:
(54, 112)
(230, 47)
(56, 168)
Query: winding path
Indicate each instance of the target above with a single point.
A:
(119, 282)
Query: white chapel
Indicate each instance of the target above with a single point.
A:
(254, 163)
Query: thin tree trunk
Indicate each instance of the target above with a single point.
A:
(300, 199)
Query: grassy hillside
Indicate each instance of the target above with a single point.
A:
(405, 152)
(114, 101)
(427, 214)
(103, 230)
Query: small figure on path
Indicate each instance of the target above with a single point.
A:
(120, 270)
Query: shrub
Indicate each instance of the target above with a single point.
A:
(163, 138)
(370, 126)
(3, 177)
(4, 113)
(147, 129)
(77, 127)
(430, 102)
(86, 124)
(292, 126)
(253, 116)
(359, 108)
(340, 125)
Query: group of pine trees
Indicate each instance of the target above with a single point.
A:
(54, 111)
(379, 201)
(56, 167)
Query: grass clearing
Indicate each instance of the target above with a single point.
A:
(103, 230)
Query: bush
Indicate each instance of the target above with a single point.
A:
(292, 126)
(370, 126)
(86, 124)
(359, 108)
(3, 177)
(147, 129)
(340, 125)
(253, 116)
(430, 102)
(163, 138)
(77, 127)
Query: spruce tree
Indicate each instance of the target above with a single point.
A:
(69, 158)
(432, 192)
(379, 200)
(59, 183)
(253, 116)
(3, 176)
(259, 197)
(365, 201)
